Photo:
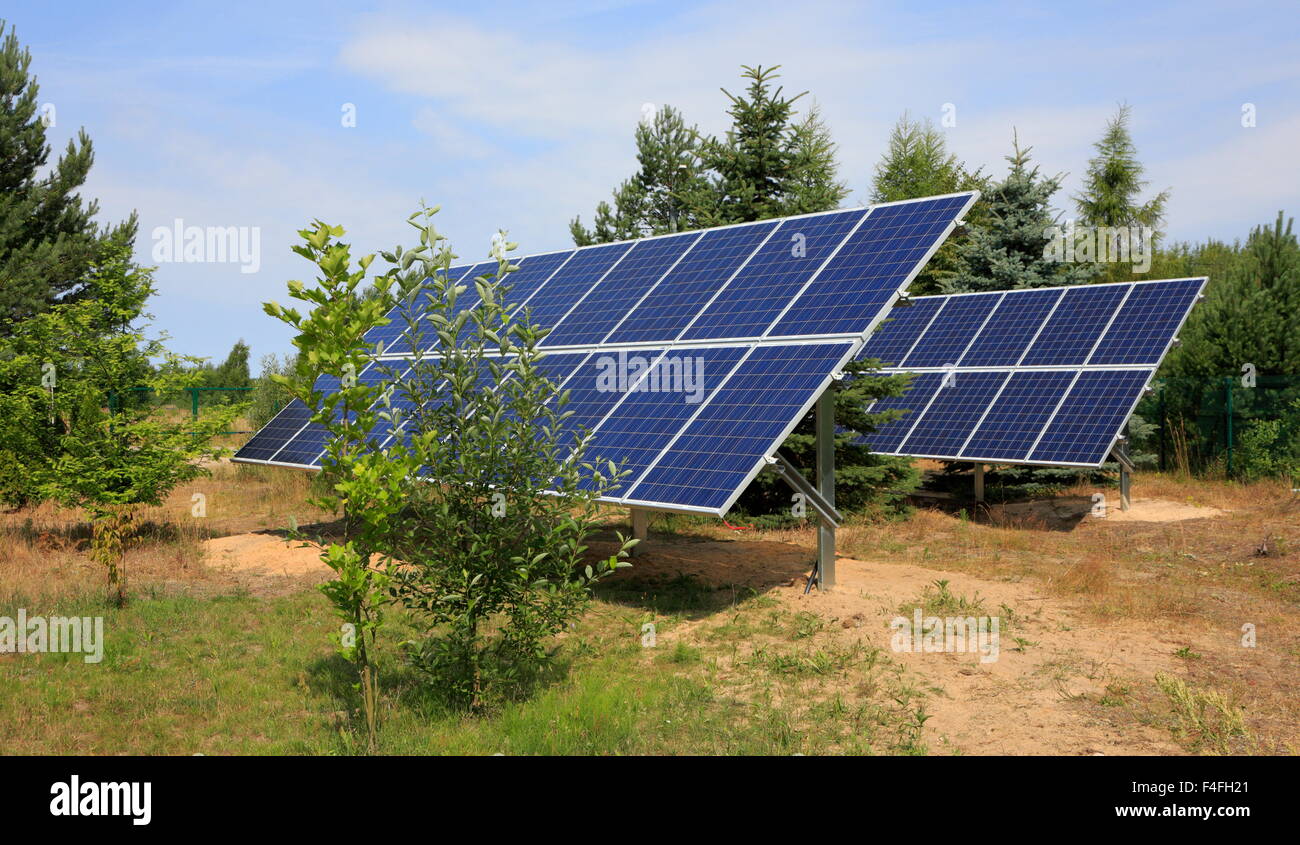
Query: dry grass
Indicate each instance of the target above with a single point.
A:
(43, 549)
(1197, 582)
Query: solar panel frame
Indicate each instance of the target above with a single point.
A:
(851, 340)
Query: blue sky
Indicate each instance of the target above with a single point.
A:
(520, 116)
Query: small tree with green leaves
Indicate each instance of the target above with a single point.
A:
(84, 447)
(473, 514)
(493, 536)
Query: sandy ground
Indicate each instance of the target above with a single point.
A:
(1031, 700)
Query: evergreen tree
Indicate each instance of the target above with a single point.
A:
(652, 202)
(1251, 312)
(919, 164)
(1111, 189)
(767, 165)
(812, 184)
(48, 237)
(1010, 249)
(1114, 180)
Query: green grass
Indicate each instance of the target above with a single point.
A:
(238, 674)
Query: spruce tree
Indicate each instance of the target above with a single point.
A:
(1010, 247)
(48, 237)
(918, 164)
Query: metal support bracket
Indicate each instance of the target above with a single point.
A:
(1120, 453)
(781, 466)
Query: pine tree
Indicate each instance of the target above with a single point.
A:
(48, 237)
(918, 164)
(652, 202)
(1251, 312)
(1010, 249)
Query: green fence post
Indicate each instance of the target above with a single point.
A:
(194, 402)
(1227, 385)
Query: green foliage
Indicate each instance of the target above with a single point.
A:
(1008, 250)
(766, 165)
(652, 202)
(475, 517)
(1270, 448)
(769, 164)
(63, 431)
(1114, 180)
(48, 237)
(918, 164)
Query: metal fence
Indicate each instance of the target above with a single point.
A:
(1234, 424)
(191, 397)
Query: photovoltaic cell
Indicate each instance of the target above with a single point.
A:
(920, 391)
(1075, 326)
(639, 428)
(722, 447)
(299, 449)
(1018, 317)
(1147, 322)
(951, 332)
(572, 282)
(1017, 417)
(276, 433)
(689, 286)
(958, 405)
(902, 328)
(870, 267)
(533, 272)
(600, 382)
(624, 285)
(1090, 418)
(756, 295)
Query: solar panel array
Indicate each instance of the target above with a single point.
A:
(748, 324)
(1039, 376)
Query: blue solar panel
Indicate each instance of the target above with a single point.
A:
(958, 405)
(687, 288)
(276, 433)
(1145, 325)
(1090, 418)
(532, 274)
(902, 328)
(722, 448)
(621, 288)
(920, 391)
(298, 449)
(1017, 417)
(639, 428)
(872, 265)
(1076, 325)
(946, 339)
(1015, 322)
(572, 282)
(764, 286)
(600, 382)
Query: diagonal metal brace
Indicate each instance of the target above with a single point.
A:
(777, 463)
(1121, 456)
